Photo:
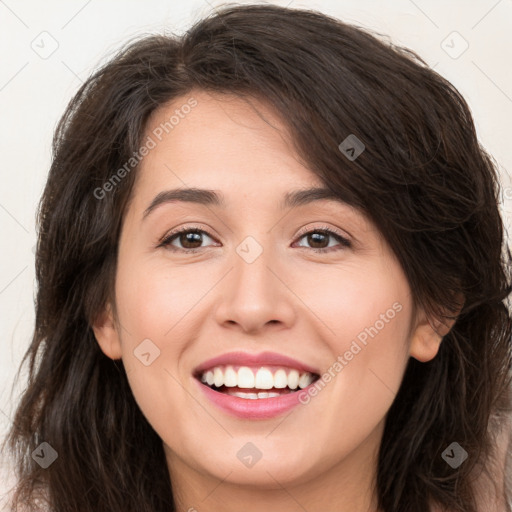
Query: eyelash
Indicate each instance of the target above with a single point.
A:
(166, 241)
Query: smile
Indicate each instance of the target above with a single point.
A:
(266, 382)
(254, 386)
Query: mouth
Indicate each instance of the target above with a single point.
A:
(255, 386)
(255, 382)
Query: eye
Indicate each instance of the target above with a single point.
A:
(189, 238)
(319, 236)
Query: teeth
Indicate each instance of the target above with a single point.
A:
(305, 380)
(245, 377)
(293, 379)
(252, 396)
(209, 378)
(280, 379)
(263, 378)
(230, 377)
(218, 377)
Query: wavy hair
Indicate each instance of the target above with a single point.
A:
(423, 179)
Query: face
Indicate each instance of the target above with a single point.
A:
(257, 281)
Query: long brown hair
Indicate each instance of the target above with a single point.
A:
(423, 179)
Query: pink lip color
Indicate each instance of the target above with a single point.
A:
(246, 359)
(261, 408)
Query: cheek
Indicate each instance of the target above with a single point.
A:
(366, 314)
(154, 298)
(359, 302)
(368, 318)
(153, 304)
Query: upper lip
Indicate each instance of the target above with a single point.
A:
(248, 359)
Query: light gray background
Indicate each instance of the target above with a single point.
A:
(35, 87)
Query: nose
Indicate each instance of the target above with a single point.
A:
(256, 295)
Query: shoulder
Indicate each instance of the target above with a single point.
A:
(493, 485)
(507, 446)
(493, 477)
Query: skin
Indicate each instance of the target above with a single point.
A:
(291, 300)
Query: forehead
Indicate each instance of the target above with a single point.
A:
(217, 115)
(222, 139)
(228, 153)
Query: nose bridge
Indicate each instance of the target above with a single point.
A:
(253, 281)
(255, 295)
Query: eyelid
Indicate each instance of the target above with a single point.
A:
(308, 229)
(181, 229)
(343, 240)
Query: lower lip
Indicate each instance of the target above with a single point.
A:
(260, 408)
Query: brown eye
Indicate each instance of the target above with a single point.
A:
(189, 239)
(318, 239)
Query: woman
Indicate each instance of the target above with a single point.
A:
(258, 367)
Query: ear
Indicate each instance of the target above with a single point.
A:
(428, 334)
(106, 334)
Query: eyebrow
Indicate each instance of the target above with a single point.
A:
(208, 197)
